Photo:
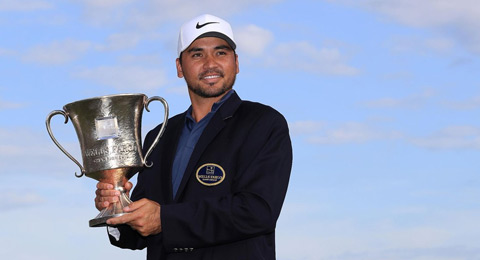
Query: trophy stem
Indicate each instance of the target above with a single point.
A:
(113, 210)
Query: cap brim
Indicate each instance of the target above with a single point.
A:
(219, 35)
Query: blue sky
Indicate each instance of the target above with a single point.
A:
(382, 98)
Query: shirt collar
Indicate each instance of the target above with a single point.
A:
(215, 106)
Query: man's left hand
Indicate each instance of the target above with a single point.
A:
(144, 217)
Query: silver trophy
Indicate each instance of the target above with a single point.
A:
(109, 132)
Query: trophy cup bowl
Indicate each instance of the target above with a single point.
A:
(109, 132)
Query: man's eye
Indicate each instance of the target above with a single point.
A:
(195, 55)
(221, 53)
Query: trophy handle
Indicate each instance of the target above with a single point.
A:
(160, 133)
(47, 122)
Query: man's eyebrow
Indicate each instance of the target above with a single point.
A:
(219, 47)
(223, 47)
(195, 49)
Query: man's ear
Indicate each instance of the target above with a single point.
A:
(179, 68)
(236, 61)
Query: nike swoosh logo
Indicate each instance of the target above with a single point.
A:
(202, 25)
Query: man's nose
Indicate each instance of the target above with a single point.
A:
(210, 62)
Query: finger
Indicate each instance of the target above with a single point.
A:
(135, 205)
(111, 199)
(107, 193)
(100, 205)
(124, 219)
(104, 186)
(102, 202)
(128, 186)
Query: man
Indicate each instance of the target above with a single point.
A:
(221, 170)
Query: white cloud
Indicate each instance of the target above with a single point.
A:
(319, 133)
(305, 127)
(120, 41)
(352, 132)
(421, 45)
(6, 52)
(305, 56)
(452, 137)
(257, 42)
(414, 101)
(24, 151)
(458, 19)
(439, 44)
(9, 105)
(105, 3)
(471, 103)
(69, 50)
(57, 52)
(24, 5)
(150, 59)
(316, 132)
(11, 147)
(153, 13)
(435, 235)
(415, 13)
(252, 39)
(126, 77)
(12, 200)
(105, 12)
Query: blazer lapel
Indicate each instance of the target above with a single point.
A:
(164, 177)
(216, 124)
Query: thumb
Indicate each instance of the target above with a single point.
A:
(128, 186)
(135, 205)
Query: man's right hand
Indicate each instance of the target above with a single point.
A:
(106, 194)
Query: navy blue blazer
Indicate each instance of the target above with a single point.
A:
(232, 191)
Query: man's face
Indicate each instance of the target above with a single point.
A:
(209, 66)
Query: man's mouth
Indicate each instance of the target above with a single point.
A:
(211, 75)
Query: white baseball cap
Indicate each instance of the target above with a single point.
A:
(204, 26)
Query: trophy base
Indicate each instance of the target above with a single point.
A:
(112, 211)
(102, 221)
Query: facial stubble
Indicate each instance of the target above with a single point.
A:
(198, 90)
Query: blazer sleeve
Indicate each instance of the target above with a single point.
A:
(129, 238)
(252, 208)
